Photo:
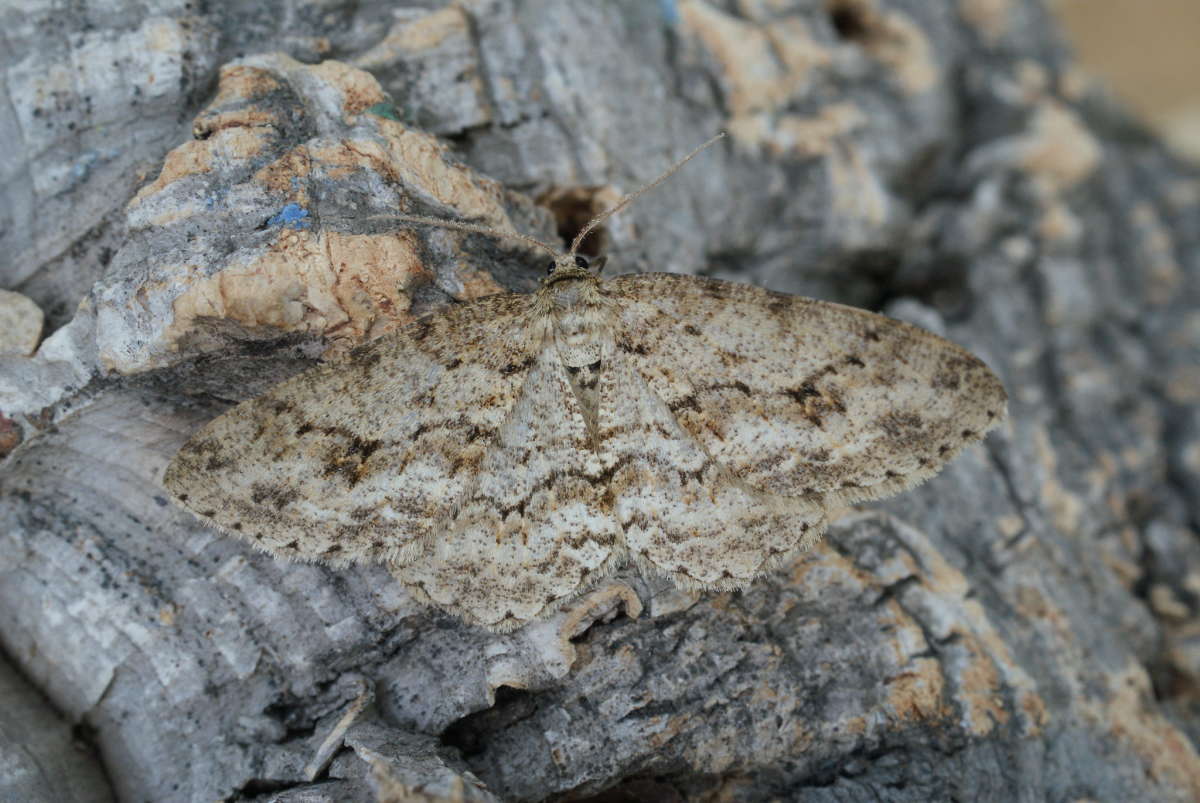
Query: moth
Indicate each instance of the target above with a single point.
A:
(503, 455)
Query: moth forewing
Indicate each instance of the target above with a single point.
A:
(504, 454)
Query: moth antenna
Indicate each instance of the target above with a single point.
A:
(631, 197)
(477, 229)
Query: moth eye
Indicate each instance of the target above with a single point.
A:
(581, 262)
(550, 268)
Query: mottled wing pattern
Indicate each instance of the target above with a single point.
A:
(357, 459)
(803, 397)
(535, 527)
(683, 513)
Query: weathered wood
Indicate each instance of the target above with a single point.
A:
(40, 758)
(1021, 627)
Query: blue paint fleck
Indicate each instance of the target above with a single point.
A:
(670, 11)
(87, 161)
(292, 215)
(385, 110)
(81, 170)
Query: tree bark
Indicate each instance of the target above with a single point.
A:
(200, 200)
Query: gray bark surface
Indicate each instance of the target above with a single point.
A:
(1023, 626)
(41, 761)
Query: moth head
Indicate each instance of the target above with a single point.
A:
(573, 266)
(569, 265)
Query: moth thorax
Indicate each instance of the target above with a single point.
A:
(577, 356)
(577, 335)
